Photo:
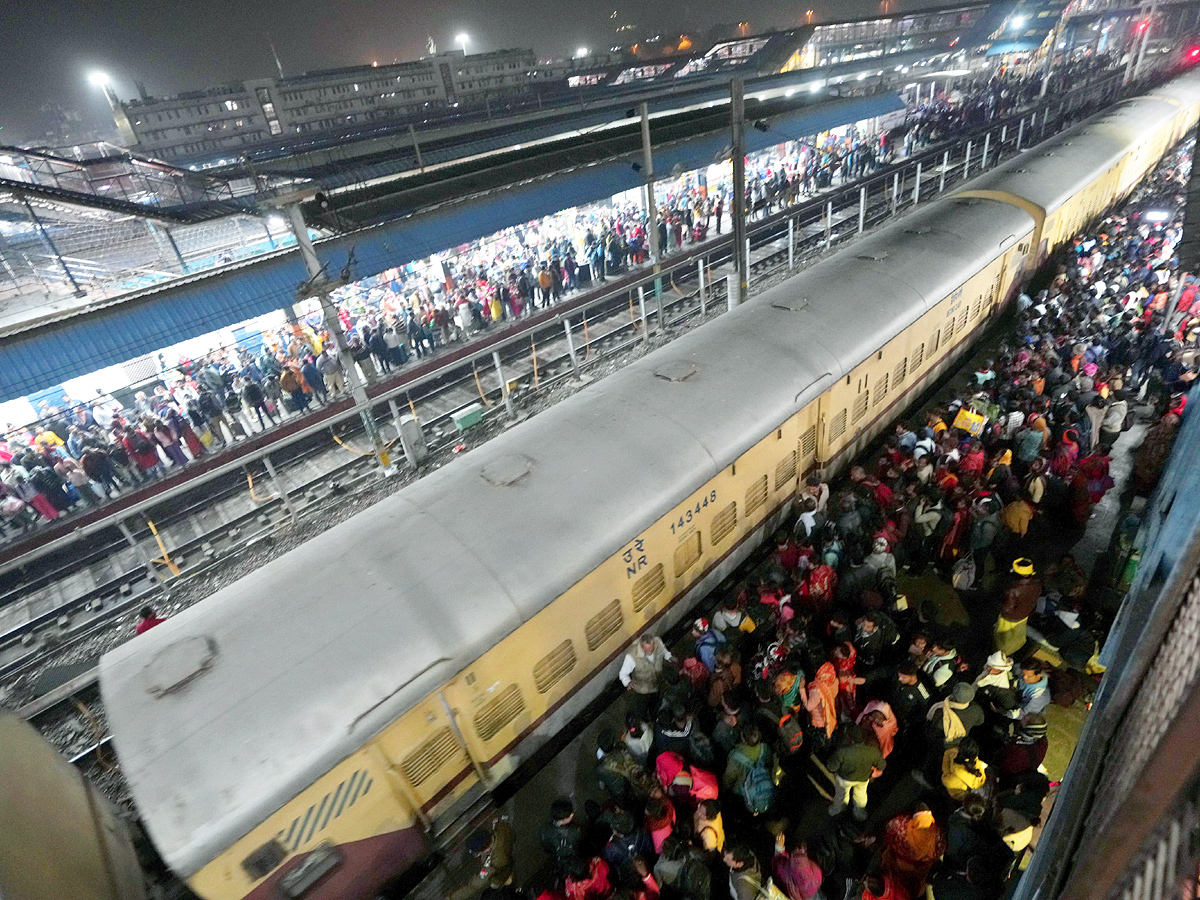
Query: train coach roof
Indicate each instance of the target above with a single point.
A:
(1051, 173)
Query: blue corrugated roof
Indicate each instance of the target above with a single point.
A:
(192, 307)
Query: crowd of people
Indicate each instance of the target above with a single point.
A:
(868, 714)
(79, 454)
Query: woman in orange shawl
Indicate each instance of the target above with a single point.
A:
(878, 716)
(821, 701)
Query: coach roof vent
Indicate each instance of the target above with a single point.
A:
(505, 471)
(873, 256)
(677, 370)
(180, 663)
(792, 304)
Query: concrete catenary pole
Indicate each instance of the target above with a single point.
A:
(737, 203)
(319, 286)
(656, 249)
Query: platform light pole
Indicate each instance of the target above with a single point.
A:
(656, 249)
(737, 202)
(319, 285)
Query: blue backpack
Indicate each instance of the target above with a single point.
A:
(756, 787)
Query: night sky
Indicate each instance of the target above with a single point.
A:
(50, 46)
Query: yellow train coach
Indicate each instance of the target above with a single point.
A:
(303, 731)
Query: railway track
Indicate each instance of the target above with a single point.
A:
(607, 332)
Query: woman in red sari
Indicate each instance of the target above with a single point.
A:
(844, 658)
(1088, 486)
(1066, 454)
(960, 526)
(817, 591)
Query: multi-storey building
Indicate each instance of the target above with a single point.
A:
(238, 115)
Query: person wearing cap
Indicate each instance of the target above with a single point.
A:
(997, 673)
(1020, 599)
(949, 721)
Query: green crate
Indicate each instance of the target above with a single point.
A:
(467, 418)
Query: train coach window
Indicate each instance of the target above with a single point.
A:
(977, 307)
(498, 712)
(860, 406)
(900, 372)
(962, 320)
(918, 357)
(808, 445)
(687, 554)
(837, 426)
(551, 668)
(723, 523)
(785, 472)
(881, 388)
(756, 495)
(648, 587)
(429, 757)
(604, 624)
(303, 877)
(263, 861)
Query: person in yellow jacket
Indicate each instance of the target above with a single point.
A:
(708, 826)
(963, 772)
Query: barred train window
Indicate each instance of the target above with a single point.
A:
(860, 406)
(552, 667)
(756, 495)
(723, 523)
(498, 712)
(837, 426)
(647, 587)
(604, 624)
(785, 472)
(687, 554)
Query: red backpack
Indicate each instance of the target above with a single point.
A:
(704, 785)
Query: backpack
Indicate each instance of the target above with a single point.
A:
(756, 788)
(791, 733)
(700, 748)
(704, 784)
(695, 672)
(962, 577)
(695, 880)
(140, 443)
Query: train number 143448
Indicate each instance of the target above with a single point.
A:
(690, 513)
